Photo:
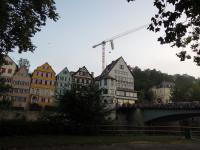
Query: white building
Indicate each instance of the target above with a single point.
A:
(7, 72)
(117, 84)
(162, 93)
(8, 69)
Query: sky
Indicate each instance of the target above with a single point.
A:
(84, 23)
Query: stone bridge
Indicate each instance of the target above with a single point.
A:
(140, 114)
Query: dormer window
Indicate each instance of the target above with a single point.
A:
(121, 66)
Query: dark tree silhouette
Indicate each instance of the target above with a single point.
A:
(83, 106)
(20, 20)
(179, 20)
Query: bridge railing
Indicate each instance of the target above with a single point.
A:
(153, 130)
(161, 106)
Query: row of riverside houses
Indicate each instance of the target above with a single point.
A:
(43, 87)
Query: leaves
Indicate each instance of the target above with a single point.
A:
(180, 21)
(83, 106)
(21, 20)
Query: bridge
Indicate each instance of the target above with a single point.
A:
(141, 114)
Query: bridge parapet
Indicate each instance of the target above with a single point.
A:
(172, 106)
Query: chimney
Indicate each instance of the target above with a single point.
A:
(92, 73)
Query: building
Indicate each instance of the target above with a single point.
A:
(117, 84)
(42, 88)
(8, 69)
(63, 83)
(20, 92)
(162, 92)
(82, 77)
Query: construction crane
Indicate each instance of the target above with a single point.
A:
(110, 40)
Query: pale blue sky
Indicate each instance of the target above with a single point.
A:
(83, 23)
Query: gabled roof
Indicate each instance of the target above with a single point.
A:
(45, 64)
(20, 69)
(73, 73)
(166, 84)
(65, 69)
(10, 59)
(106, 71)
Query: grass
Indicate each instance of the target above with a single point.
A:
(63, 140)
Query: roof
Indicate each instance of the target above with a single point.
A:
(166, 84)
(106, 71)
(104, 74)
(104, 77)
(63, 70)
(73, 73)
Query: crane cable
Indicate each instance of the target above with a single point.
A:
(126, 33)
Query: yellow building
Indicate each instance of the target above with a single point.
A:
(42, 88)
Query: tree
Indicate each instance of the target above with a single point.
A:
(83, 106)
(187, 89)
(20, 20)
(180, 22)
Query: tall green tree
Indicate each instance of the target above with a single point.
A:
(83, 106)
(179, 20)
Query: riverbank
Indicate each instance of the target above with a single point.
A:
(52, 142)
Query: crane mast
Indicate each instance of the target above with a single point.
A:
(110, 40)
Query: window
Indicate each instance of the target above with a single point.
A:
(3, 70)
(9, 71)
(87, 81)
(121, 66)
(105, 91)
(40, 81)
(43, 100)
(82, 80)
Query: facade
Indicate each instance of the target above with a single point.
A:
(82, 77)
(117, 84)
(20, 92)
(42, 90)
(63, 83)
(162, 93)
(8, 69)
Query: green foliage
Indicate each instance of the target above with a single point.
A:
(187, 89)
(83, 106)
(144, 80)
(5, 104)
(20, 20)
(180, 22)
